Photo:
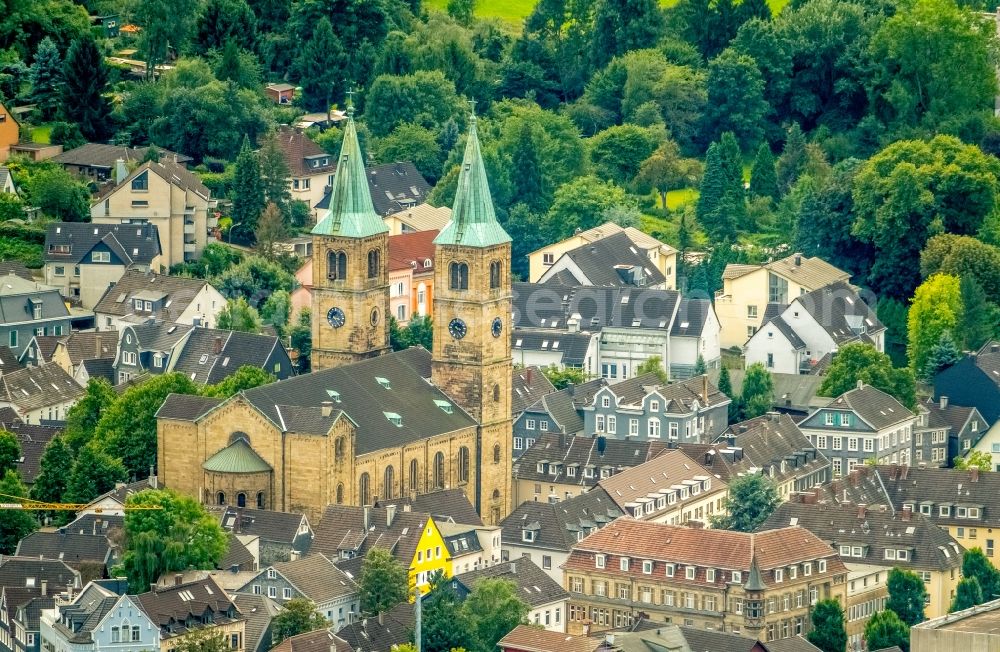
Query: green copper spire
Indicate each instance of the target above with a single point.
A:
(351, 213)
(473, 220)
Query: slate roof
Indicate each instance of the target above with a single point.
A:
(791, 391)
(8, 361)
(641, 238)
(67, 546)
(297, 148)
(769, 440)
(459, 539)
(929, 547)
(186, 408)
(259, 611)
(16, 268)
(317, 578)
(408, 394)
(549, 305)
(199, 361)
(573, 346)
(131, 243)
(608, 261)
(95, 524)
(237, 555)
(85, 614)
(785, 329)
(556, 524)
(122, 491)
(534, 586)
(159, 336)
(841, 312)
(692, 317)
(396, 628)
(46, 346)
(396, 187)
(422, 217)
(35, 387)
(321, 640)
(173, 173)
(4, 176)
(581, 452)
(28, 571)
(796, 644)
(412, 251)
(671, 468)
(953, 416)
(342, 529)
(534, 639)
(936, 487)
(679, 398)
(33, 439)
(180, 292)
(444, 505)
(272, 526)
(100, 368)
(809, 272)
(529, 385)
(17, 294)
(562, 411)
(168, 608)
(704, 639)
(99, 155)
(878, 409)
(89, 345)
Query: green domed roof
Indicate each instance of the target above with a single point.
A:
(237, 457)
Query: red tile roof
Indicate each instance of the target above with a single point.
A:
(407, 248)
(297, 147)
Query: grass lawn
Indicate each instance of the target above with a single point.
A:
(41, 134)
(515, 11)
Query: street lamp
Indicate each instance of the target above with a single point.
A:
(232, 227)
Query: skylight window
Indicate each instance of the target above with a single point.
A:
(445, 406)
(384, 382)
(394, 418)
(335, 395)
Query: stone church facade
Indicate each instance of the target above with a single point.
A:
(366, 423)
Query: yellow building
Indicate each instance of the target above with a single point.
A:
(748, 289)
(663, 256)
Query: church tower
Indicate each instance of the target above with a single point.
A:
(350, 297)
(472, 315)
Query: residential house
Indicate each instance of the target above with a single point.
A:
(84, 260)
(546, 532)
(280, 93)
(321, 640)
(396, 187)
(79, 353)
(33, 581)
(862, 424)
(794, 394)
(663, 256)
(141, 296)
(281, 536)
(794, 338)
(944, 431)
(205, 355)
(546, 598)
(381, 632)
(259, 612)
(774, 445)
(748, 289)
(422, 217)
(91, 554)
(168, 196)
(962, 631)
(643, 408)
(313, 578)
(27, 623)
(10, 132)
(444, 505)
(33, 438)
(301, 296)
(112, 503)
(28, 308)
(626, 327)
(525, 638)
(974, 381)
(7, 179)
(310, 168)
(709, 579)
(99, 161)
(560, 412)
(529, 385)
(98, 619)
(556, 466)
(871, 542)
(347, 532)
(411, 275)
(471, 546)
(170, 611)
(563, 349)
(39, 393)
(612, 261)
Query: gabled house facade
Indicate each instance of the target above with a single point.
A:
(27, 309)
(310, 169)
(142, 296)
(613, 261)
(39, 393)
(187, 608)
(99, 619)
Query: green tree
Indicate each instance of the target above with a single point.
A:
(906, 596)
(58, 194)
(127, 429)
(943, 354)
(246, 377)
(248, 189)
(270, 231)
(94, 473)
(585, 203)
(418, 332)
(617, 153)
(277, 311)
(979, 315)
(735, 99)
(828, 632)
(274, 173)
(976, 564)
(300, 338)
(414, 143)
(725, 382)
(225, 21)
(84, 85)
(426, 98)
(236, 65)
(444, 624)
(885, 630)
(178, 536)
(968, 594)
(299, 616)
(10, 452)
(624, 25)
(965, 257)
(68, 135)
(46, 79)
(699, 365)
(204, 640)
(238, 315)
(165, 26)
(652, 365)
(463, 11)
(936, 308)
(320, 67)
(15, 524)
(666, 170)
(859, 361)
(494, 608)
(975, 460)
(562, 378)
(763, 178)
(792, 161)
(82, 418)
(54, 470)
(752, 498)
(383, 583)
(758, 391)
(721, 202)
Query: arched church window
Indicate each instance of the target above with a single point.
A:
(439, 471)
(364, 489)
(390, 482)
(336, 265)
(496, 268)
(463, 465)
(459, 276)
(373, 263)
(340, 494)
(220, 498)
(241, 499)
(496, 453)
(496, 393)
(414, 477)
(260, 500)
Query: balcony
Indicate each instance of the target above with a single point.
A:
(189, 228)
(189, 247)
(189, 210)
(212, 221)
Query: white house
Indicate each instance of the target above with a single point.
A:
(141, 296)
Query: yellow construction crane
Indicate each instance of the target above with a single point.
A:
(29, 503)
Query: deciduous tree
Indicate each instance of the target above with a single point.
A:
(299, 616)
(937, 308)
(246, 377)
(906, 596)
(975, 460)
(758, 391)
(562, 378)
(270, 231)
(828, 632)
(494, 608)
(94, 473)
(54, 471)
(735, 99)
(976, 564)
(859, 361)
(10, 451)
(238, 315)
(445, 625)
(15, 524)
(652, 365)
(82, 418)
(885, 630)
(752, 498)
(383, 583)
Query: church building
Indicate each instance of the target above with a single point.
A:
(368, 423)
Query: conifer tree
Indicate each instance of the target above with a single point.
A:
(968, 593)
(763, 177)
(321, 67)
(86, 81)
(942, 355)
(793, 158)
(248, 189)
(46, 78)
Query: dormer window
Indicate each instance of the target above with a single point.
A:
(654, 406)
(394, 418)
(445, 406)
(605, 401)
(599, 561)
(528, 536)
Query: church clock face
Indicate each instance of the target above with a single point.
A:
(336, 317)
(497, 327)
(457, 328)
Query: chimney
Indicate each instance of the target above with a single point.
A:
(97, 347)
(862, 511)
(893, 471)
(326, 408)
(390, 516)
(368, 517)
(178, 579)
(854, 477)
(381, 619)
(798, 260)
(45, 587)
(527, 375)
(704, 388)
(573, 323)
(944, 402)
(121, 172)
(906, 513)
(904, 470)
(861, 384)
(97, 525)
(217, 345)
(974, 474)
(513, 568)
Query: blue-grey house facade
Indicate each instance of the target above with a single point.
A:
(99, 620)
(693, 411)
(28, 309)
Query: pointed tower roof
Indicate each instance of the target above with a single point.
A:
(473, 220)
(754, 582)
(351, 213)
